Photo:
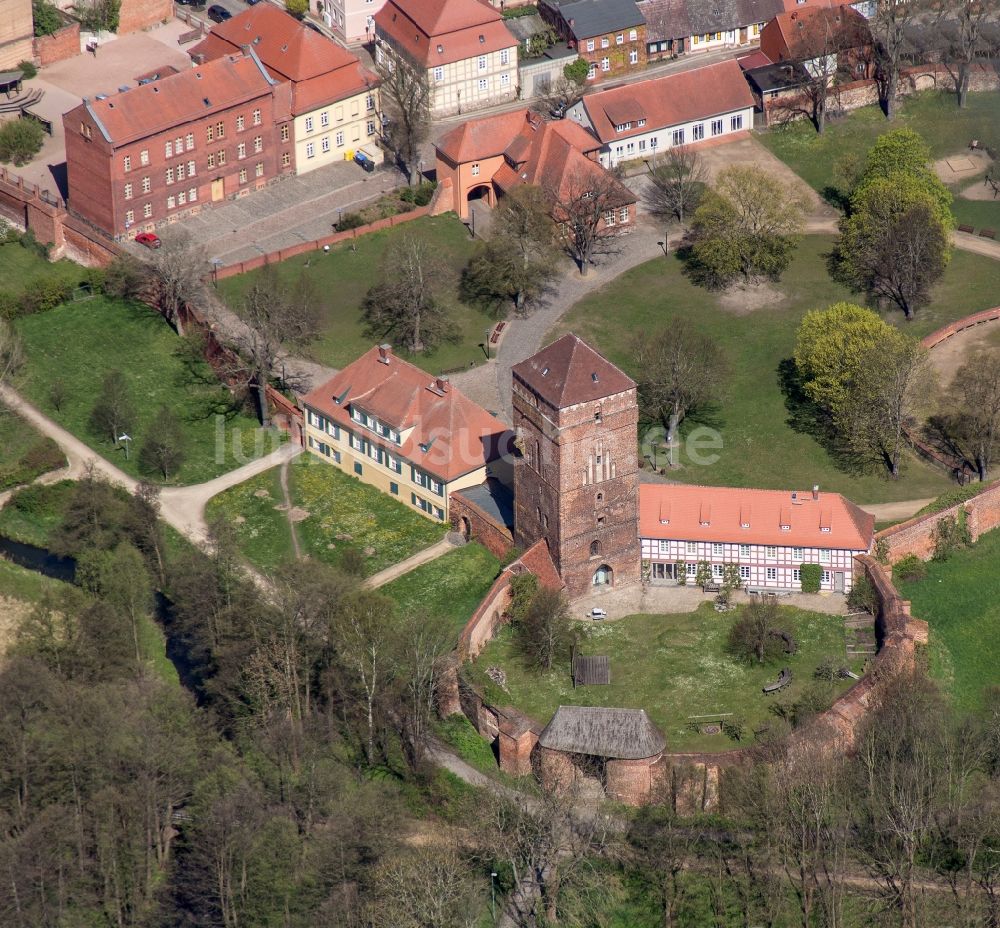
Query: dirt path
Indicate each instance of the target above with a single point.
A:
(896, 512)
(290, 511)
(425, 556)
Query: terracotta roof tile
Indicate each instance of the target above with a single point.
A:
(569, 371)
(439, 32)
(670, 100)
(451, 435)
(679, 511)
(180, 98)
(807, 32)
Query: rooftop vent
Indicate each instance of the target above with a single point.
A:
(384, 353)
(206, 101)
(815, 491)
(284, 47)
(440, 49)
(441, 385)
(482, 39)
(545, 372)
(594, 377)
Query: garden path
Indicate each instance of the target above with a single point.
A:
(431, 553)
(293, 530)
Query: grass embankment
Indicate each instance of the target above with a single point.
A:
(677, 668)
(960, 599)
(344, 275)
(77, 344)
(767, 441)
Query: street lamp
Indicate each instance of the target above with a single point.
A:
(493, 895)
(486, 344)
(125, 439)
(216, 264)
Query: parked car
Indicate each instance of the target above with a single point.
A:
(218, 14)
(366, 163)
(309, 24)
(149, 239)
(190, 2)
(558, 111)
(598, 614)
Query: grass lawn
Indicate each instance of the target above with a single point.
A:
(761, 447)
(674, 667)
(79, 343)
(262, 531)
(449, 587)
(20, 267)
(24, 453)
(344, 276)
(35, 512)
(936, 116)
(960, 598)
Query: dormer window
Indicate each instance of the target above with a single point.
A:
(640, 123)
(624, 127)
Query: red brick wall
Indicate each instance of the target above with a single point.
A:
(629, 781)
(63, 44)
(137, 15)
(495, 538)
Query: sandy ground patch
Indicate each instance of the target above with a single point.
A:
(961, 166)
(948, 357)
(741, 301)
(980, 190)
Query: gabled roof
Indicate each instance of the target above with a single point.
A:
(740, 516)
(179, 98)
(813, 31)
(676, 19)
(625, 734)
(320, 70)
(477, 139)
(439, 32)
(589, 18)
(449, 435)
(569, 371)
(669, 101)
(666, 19)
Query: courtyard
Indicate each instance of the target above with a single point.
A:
(757, 412)
(677, 668)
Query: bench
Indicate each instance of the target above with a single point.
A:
(784, 678)
(46, 124)
(968, 229)
(497, 332)
(711, 588)
(987, 233)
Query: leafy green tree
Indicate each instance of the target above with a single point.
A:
(99, 15)
(520, 257)
(577, 71)
(46, 17)
(745, 230)
(297, 8)
(901, 151)
(545, 633)
(162, 450)
(811, 577)
(20, 141)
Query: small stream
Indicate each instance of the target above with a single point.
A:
(43, 561)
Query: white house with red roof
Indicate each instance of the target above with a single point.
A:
(469, 54)
(638, 120)
(769, 534)
(334, 96)
(411, 435)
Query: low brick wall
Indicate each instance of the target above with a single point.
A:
(62, 44)
(137, 15)
(916, 536)
(496, 538)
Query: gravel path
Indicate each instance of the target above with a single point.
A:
(431, 553)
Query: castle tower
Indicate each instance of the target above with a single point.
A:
(576, 482)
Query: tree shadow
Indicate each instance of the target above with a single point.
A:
(836, 197)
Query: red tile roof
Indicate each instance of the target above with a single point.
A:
(478, 139)
(439, 32)
(180, 98)
(679, 511)
(669, 101)
(538, 560)
(451, 435)
(321, 71)
(569, 371)
(810, 31)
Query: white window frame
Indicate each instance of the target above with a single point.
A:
(771, 573)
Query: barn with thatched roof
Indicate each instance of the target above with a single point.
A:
(617, 747)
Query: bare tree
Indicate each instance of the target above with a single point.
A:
(679, 370)
(890, 27)
(582, 205)
(559, 96)
(965, 33)
(975, 397)
(405, 94)
(178, 270)
(277, 317)
(677, 180)
(405, 304)
(544, 631)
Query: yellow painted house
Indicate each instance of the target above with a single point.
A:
(411, 435)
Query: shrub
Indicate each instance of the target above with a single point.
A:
(952, 498)
(28, 240)
(43, 294)
(28, 69)
(352, 562)
(20, 141)
(523, 587)
(704, 574)
(41, 457)
(863, 596)
(910, 568)
(680, 572)
(577, 71)
(30, 500)
(350, 221)
(298, 8)
(950, 535)
(422, 194)
(882, 550)
(811, 575)
(734, 727)
(9, 304)
(46, 17)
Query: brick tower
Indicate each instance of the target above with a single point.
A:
(576, 482)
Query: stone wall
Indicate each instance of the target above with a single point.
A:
(494, 537)
(916, 536)
(62, 44)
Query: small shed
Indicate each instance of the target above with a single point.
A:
(592, 670)
(621, 734)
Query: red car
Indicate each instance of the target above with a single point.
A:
(149, 239)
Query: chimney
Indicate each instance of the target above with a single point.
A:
(442, 385)
(384, 353)
(815, 492)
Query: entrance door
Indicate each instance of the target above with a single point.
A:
(838, 582)
(603, 576)
(743, 37)
(218, 190)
